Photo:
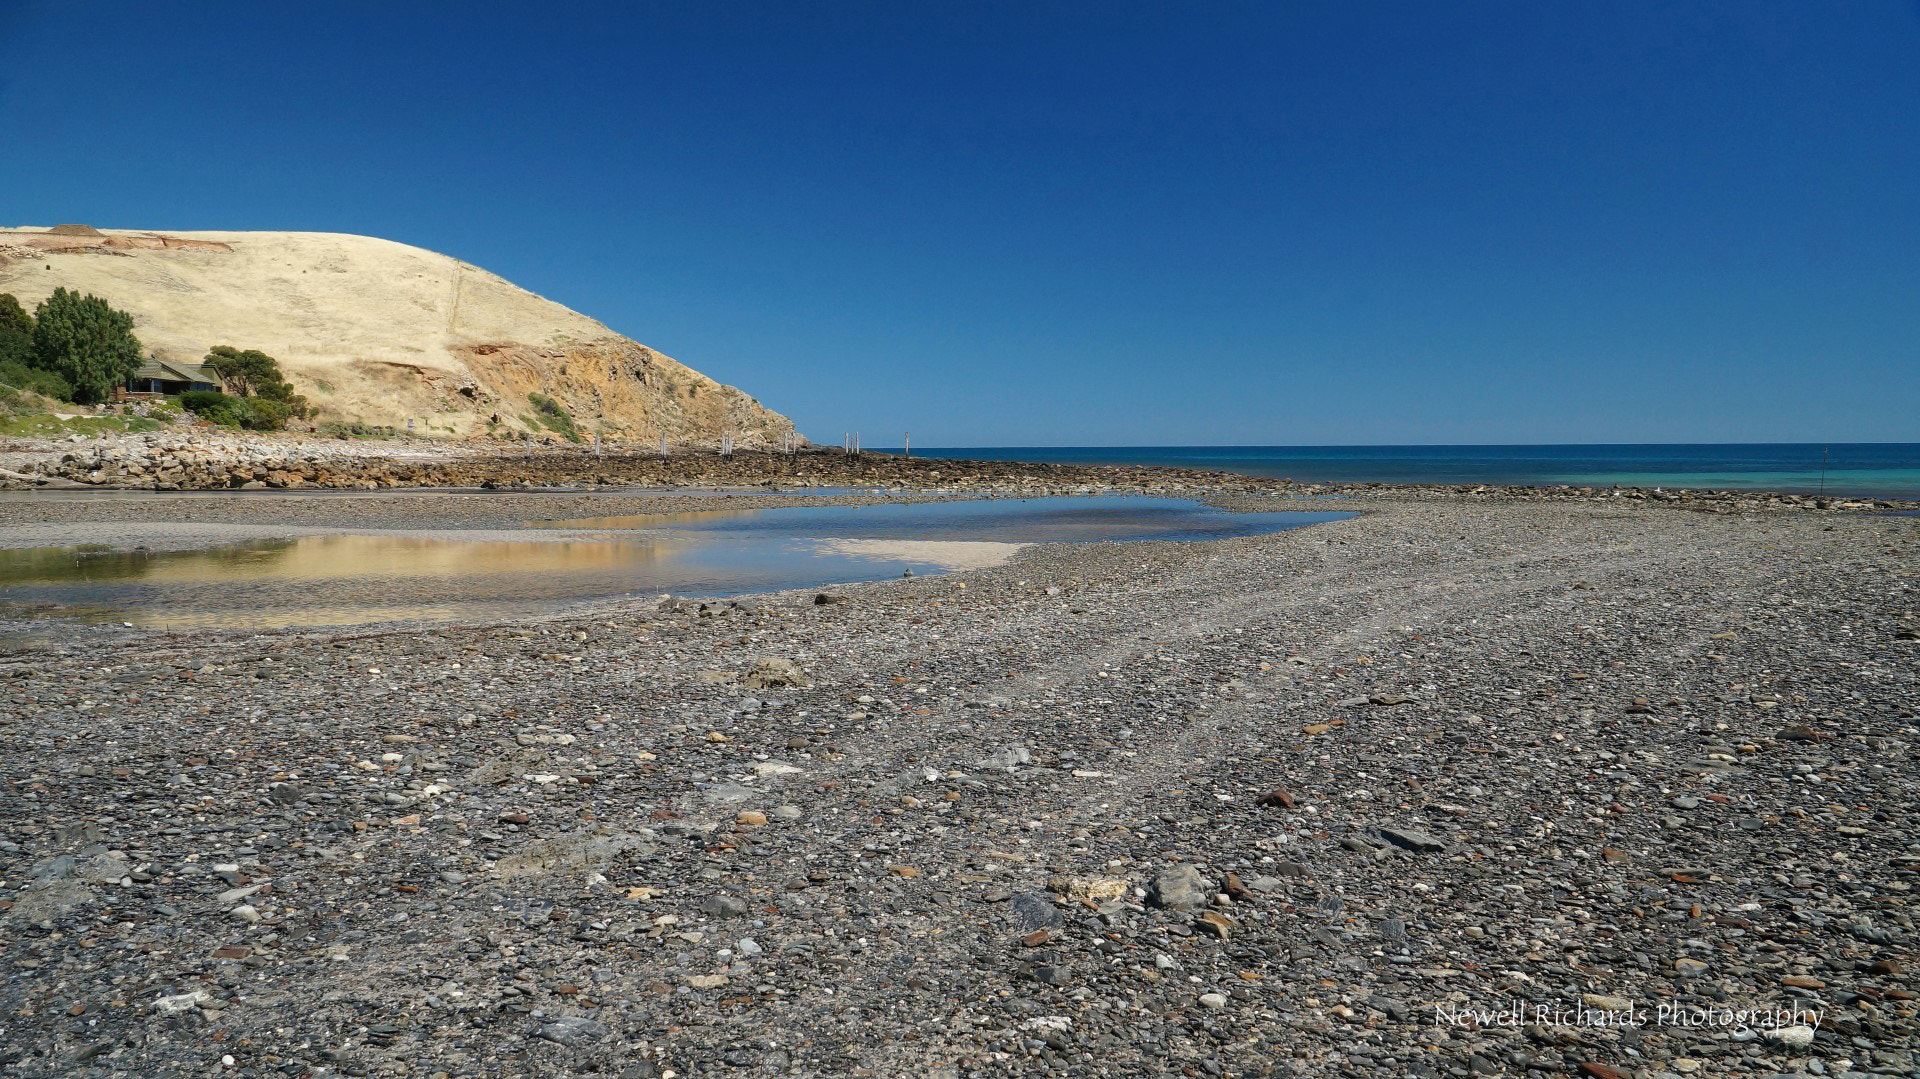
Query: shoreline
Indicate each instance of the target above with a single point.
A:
(197, 460)
(1016, 820)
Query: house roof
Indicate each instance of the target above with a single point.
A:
(174, 371)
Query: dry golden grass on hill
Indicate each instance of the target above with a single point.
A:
(378, 332)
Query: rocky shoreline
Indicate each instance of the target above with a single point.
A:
(198, 462)
(1318, 803)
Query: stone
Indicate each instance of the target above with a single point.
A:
(1180, 887)
(1030, 912)
(1793, 1037)
(182, 1002)
(572, 1031)
(776, 674)
(1215, 1001)
(235, 895)
(723, 906)
(1215, 923)
(1006, 760)
(1237, 890)
(1089, 890)
(1413, 840)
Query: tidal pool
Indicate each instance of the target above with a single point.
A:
(339, 580)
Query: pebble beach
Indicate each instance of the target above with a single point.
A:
(1459, 786)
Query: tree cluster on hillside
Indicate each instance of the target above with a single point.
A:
(86, 341)
(261, 399)
(78, 348)
(73, 347)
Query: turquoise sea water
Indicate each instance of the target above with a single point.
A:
(1876, 469)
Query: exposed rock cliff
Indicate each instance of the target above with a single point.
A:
(378, 332)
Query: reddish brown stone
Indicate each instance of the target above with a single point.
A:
(1278, 796)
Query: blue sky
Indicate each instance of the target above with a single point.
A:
(1079, 223)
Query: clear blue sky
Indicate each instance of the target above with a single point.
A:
(1078, 223)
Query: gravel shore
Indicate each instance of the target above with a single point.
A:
(1301, 804)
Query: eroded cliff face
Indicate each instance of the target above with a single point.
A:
(378, 332)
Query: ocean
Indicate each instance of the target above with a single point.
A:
(1873, 469)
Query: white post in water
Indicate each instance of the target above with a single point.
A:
(856, 443)
(906, 443)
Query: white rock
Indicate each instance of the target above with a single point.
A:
(1794, 1037)
(183, 1002)
(235, 895)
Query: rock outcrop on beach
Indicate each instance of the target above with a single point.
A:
(377, 332)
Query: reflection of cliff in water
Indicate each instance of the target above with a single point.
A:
(330, 580)
(45, 564)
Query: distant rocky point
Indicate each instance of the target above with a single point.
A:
(377, 332)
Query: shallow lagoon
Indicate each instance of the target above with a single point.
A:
(338, 580)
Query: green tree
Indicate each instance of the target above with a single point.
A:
(86, 341)
(16, 331)
(253, 373)
(19, 366)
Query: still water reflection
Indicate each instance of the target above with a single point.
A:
(337, 580)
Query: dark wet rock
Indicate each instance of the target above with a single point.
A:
(1414, 840)
(1030, 911)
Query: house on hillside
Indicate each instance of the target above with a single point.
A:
(157, 377)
